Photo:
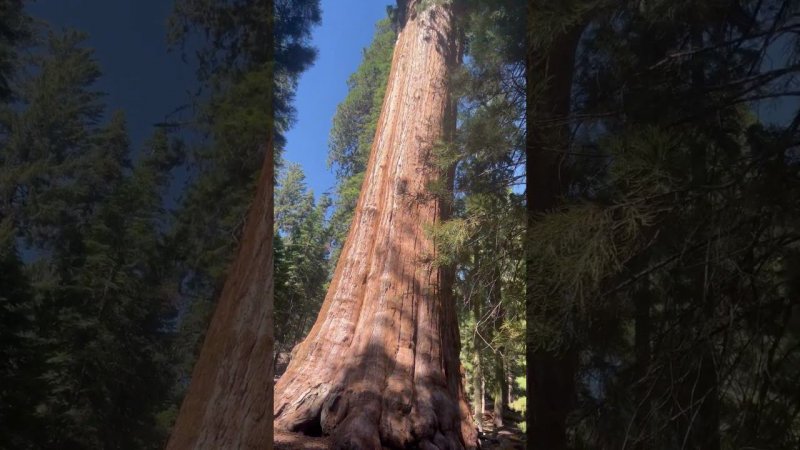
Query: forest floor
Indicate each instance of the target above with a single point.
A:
(508, 437)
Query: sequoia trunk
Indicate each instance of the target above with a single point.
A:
(380, 366)
(230, 395)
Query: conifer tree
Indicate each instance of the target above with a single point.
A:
(661, 222)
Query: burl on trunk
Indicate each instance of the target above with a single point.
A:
(380, 368)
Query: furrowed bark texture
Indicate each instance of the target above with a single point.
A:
(380, 368)
(229, 401)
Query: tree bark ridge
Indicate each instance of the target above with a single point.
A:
(380, 366)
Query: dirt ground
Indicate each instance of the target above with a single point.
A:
(508, 437)
(505, 438)
(295, 441)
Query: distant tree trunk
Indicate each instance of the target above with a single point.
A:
(229, 401)
(551, 373)
(477, 369)
(500, 391)
(510, 383)
(380, 366)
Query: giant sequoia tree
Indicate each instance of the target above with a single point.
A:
(380, 366)
(256, 50)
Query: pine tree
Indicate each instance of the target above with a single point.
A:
(18, 349)
(90, 224)
(14, 29)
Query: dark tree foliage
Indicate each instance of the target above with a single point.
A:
(668, 259)
(14, 28)
(89, 366)
(18, 384)
(104, 292)
(235, 32)
(244, 96)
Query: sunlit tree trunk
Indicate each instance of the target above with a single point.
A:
(500, 390)
(229, 401)
(380, 366)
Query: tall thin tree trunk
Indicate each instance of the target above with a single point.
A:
(477, 369)
(500, 391)
(229, 401)
(380, 366)
(551, 373)
(500, 388)
(510, 383)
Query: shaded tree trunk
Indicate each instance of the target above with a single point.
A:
(550, 373)
(500, 388)
(380, 366)
(229, 400)
(500, 391)
(477, 369)
(509, 383)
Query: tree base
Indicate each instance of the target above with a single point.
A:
(361, 420)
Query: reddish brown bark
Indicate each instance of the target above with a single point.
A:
(229, 402)
(380, 366)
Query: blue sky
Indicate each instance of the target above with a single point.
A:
(347, 27)
(129, 39)
(146, 81)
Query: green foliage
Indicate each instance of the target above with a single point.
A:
(520, 405)
(301, 259)
(109, 317)
(102, 312)
(250, 35)
(484, 238)
(90, 368)
(14, 29)
(250, 61)
(19, 387)
(673, 230)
